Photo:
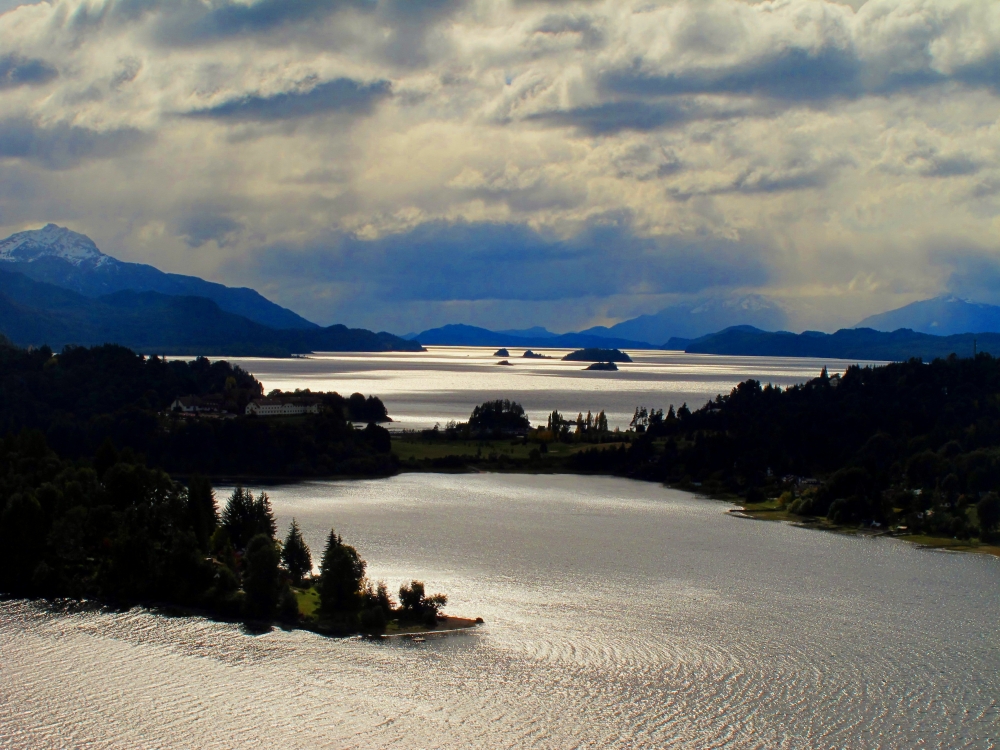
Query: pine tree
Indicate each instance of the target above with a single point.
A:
(246, 516)
(341, 576)
(202, 511)
(261, 582)
(295, 554)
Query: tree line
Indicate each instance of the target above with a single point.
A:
(118, 531)
(83, 397)
(905, 444)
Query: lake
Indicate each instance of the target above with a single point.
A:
(618, 614)
(446, 382)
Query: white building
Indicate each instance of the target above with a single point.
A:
(196, 404)
(275, 407)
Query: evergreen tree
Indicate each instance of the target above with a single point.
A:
(202, 510)
(341, 576)
(246, 516)
(295, 554)
(22, 542)
(261, 582)
(988, 510)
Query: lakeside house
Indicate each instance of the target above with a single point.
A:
(275, 406)
(211, 404)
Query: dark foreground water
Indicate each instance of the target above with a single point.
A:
(618, 614)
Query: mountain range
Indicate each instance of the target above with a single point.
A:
(941, 316)
(847, 343)
(57, 288)
(693, 319)
(463, 335)
(56, 255)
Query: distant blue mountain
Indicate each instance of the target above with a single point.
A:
(35, 313)
(55, 255)
(847, 343)
(941, 316)
(698, 318)
(463, 335)
(536, 332)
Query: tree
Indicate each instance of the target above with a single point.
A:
(295, 554)
(341, 575)
(246, 516)
(502, 415)
(22, 541)
(202, 510)
(417, 606)
(988, 510)
(261, 581)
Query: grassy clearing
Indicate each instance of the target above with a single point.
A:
(308, 600)
(772, 511)
(413, 448)
(955, 545)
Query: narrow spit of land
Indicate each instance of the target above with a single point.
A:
(907, 449)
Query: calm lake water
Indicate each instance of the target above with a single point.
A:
(445, 383)
(618, 614)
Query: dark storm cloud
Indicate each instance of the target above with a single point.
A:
(614, 117)
(633, 114)
(63, 145)
(19, 71)
(338, 95)
(194, 22)
(204, 226)
(983, 74)
(441, 261)
(794, 74)
(556, 25)
(974, 273)
(641, 99)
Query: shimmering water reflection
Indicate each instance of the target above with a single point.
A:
(618, 614)
(446, 382)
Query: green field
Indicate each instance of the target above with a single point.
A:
(416, 449)
(308, 602)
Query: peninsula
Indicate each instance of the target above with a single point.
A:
(908, 449)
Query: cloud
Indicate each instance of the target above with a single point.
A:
(613, 117)
(63, 145)
(338, 95)
(460, 261)
(206, 225)
(192, 23)
(578, 161)
(18, 71)
(794, 74)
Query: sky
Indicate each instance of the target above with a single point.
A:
(399, 165)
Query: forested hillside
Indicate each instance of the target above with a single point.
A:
(907, 443)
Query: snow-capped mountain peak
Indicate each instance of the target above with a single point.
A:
(52, 241)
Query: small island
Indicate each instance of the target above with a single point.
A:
(505, 362)
(610, 366)
(501, 353)
(593, 354)
(532, 355)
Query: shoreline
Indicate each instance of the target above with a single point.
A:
(741, 510)
(921, 541)
(447, 624)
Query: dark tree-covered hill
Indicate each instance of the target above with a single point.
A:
(81, 398)
(908, 442)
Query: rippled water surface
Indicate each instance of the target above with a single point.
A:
(446, 382)
(618, 614)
